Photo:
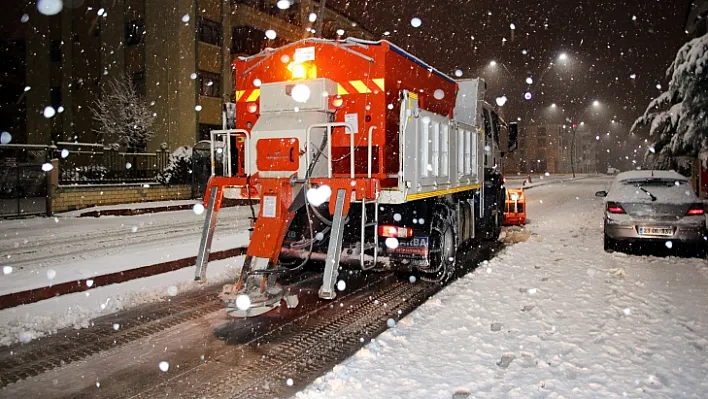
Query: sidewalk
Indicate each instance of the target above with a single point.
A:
(47, 252)
(139, 208)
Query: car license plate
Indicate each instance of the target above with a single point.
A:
(656, 231)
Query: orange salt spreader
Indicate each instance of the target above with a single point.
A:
(515, 213)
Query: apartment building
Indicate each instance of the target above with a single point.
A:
(542, 148)
(178, 52)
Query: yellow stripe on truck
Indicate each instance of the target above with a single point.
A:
(239, 94)
(379, 83)
(359, 86)
(341, 91)
(413, 197)
(254, 96)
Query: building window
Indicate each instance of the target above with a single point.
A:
(55, 50)
(139, 83)
(205, 131)
(55, 97)
(210, 32)
(134, 32)
(209, 84)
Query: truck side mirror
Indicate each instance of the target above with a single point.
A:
(513, 136)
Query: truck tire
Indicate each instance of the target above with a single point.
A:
(609, 244)
(442, 247)
(494, 224)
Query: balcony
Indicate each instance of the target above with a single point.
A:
(288, 23)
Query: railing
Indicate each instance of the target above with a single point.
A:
(83, 163)
(329, 127)
(89, 163)
(335, 17)
(227, 135)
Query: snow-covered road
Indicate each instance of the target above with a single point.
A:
(552, 317)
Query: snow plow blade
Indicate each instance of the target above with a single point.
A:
(515, 209)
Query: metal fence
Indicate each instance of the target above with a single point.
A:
(89, 163)
(85, 163)
(23, 189)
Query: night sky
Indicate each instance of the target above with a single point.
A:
(607, 41)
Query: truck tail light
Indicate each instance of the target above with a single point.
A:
(613, 207)
(337, 102)
(696, 210)
(252, 108)
(395, 231)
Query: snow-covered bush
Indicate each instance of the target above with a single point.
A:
(679, 116)
(179, 167)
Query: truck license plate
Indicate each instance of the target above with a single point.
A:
(655, 231)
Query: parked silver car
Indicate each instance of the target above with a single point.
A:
(653, 206)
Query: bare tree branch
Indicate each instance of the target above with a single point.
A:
(123, 114)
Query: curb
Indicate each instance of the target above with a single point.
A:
(159, 209)
(560, 181)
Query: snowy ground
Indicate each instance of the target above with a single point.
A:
(552, 317)
(39, 252)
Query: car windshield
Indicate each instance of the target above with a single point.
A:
(652, 189)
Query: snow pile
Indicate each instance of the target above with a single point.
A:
(179, 167)
(551, 317)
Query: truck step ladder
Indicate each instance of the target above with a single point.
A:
(366, 226)
(334, 250)
(207, 233)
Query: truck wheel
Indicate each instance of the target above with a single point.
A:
(442, 248)
(494, 227)
(609, 244)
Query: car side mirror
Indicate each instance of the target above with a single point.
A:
(601, 194)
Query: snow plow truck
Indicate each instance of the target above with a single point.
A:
(361, 155)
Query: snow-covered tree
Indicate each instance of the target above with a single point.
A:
(678, 118)
(123, 114)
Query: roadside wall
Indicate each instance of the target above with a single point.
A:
(69, 198)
